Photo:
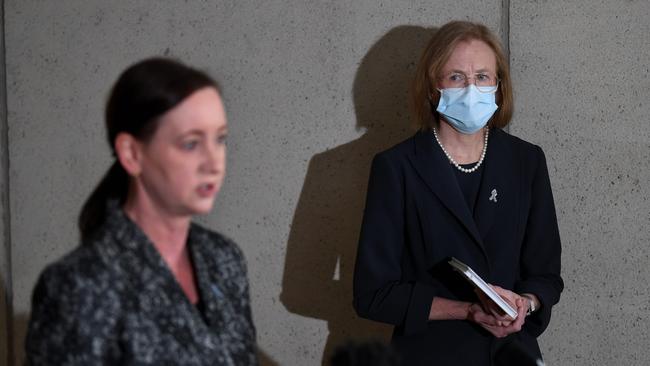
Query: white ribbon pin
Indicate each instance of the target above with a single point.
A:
(493, 196)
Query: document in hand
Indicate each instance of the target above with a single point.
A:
(477, 281)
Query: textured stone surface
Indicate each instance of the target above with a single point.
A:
(582, 90)
(5, 267)
(312, 90)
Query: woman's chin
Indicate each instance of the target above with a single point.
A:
(203, 208)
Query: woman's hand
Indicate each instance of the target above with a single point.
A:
(496, 324)
(491, 307)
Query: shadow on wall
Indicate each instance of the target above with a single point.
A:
(5, 317)
(321, 251)
(14, 329)
(21, 322)
(264, 359)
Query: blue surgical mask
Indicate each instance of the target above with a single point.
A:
(466, 109)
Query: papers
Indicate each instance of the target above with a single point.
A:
(477, 281)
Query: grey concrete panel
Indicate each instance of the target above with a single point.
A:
(5, 242)
(582, 88)
(311, 88)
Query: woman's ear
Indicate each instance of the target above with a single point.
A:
(128, 150)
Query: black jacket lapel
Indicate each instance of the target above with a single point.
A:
(497, 185)
(436, 171)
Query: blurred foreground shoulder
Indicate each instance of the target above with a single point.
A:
(75, 307)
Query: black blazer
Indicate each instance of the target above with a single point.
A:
(416, 218)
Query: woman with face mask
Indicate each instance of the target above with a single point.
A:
(147, 286)
(462, 188)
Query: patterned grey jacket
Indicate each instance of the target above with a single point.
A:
(113, 301)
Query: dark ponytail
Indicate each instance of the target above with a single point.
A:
(114, 185)
(143, 93)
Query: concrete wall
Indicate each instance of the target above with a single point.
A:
(582, 83)
(313, 89)
(5, 237)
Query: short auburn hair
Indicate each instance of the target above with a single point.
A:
(425, 96)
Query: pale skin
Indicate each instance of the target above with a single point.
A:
(175, 175)
(471, 58)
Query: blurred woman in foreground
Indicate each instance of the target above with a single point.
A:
(147, 286)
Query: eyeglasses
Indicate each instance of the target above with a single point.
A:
(485, 82)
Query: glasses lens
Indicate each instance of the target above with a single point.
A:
(485, 79)
(455, 80)
(487, 88)
(452, 92)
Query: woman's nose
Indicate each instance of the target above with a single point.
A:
(213, 159)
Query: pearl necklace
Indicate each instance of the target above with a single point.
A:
(464, 170)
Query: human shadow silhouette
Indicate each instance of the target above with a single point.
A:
(5, 325)
(322, 244)
(19, 330)
(264, 359)
(14, 328)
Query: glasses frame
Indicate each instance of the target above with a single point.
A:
(466, 83)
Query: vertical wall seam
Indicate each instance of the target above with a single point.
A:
(505, 28)
(6, 209)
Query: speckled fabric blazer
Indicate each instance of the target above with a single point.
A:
(113, 301)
